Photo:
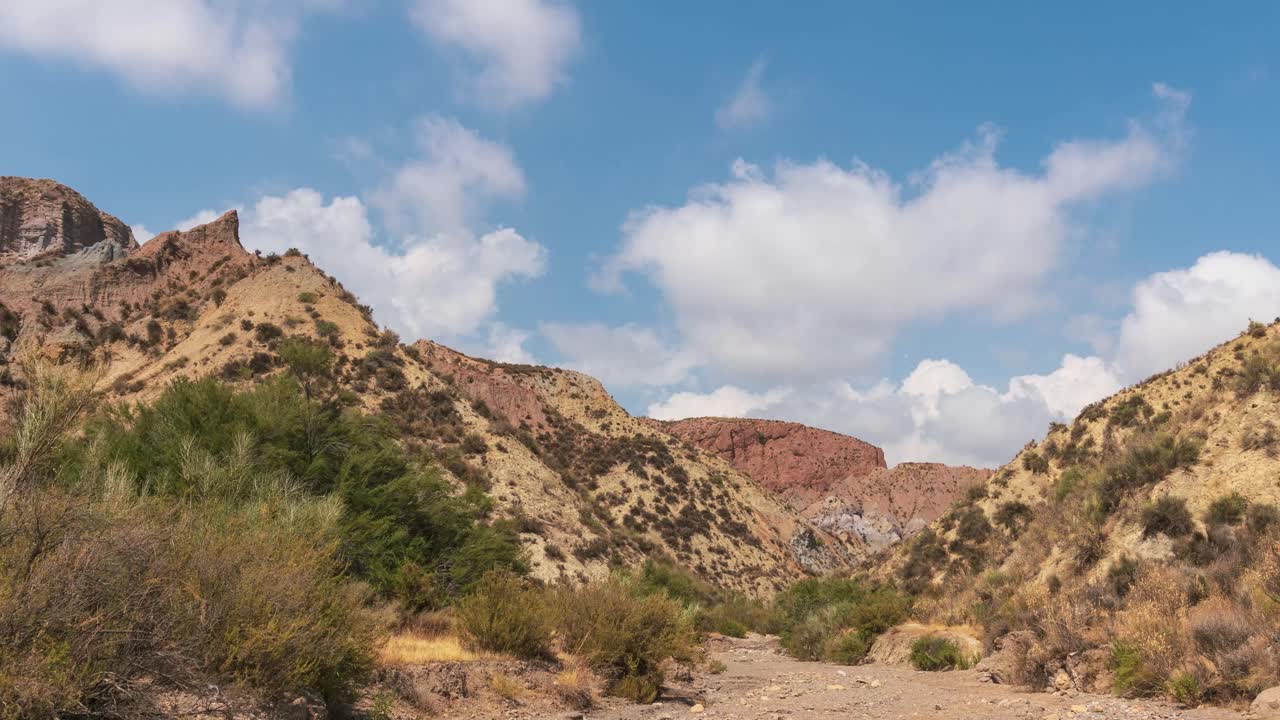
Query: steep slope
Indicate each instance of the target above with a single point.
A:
(838, 482)
(587, 484)
(1135, 549)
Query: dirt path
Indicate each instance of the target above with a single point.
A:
(760, 683)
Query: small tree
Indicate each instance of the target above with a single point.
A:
(308, 360)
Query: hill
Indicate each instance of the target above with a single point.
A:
(587, 484)
(1135, 549)
(838, 482)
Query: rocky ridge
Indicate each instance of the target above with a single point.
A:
(587, 484)
(838, 482)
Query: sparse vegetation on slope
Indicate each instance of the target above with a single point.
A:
(1146, 540)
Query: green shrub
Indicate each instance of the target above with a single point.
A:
(1132, 674)
(936, 653)
(846, 648)
(1167, 516)
(1262, 518)
(308, 298)
(1122, 575)
(1227, 510)
(1144, 463)
(1013, 516)
(1185, 688)
(625, 636)
(503, 614)
(1035, 463)
(815, 611)
(1067, 483)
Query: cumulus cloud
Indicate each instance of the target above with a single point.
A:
(937, 412)
(141, 233)
(456, 173)
(727, 401)
(1181, 313)
(441, 286)
(626, 355)
(518, 48)
(864, 255)
(236, 50)
(750, 105)
(506, 344)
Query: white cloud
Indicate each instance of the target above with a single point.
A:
(727, 401)
(438, 287)
(1179, 314)
(937, 413)
(626, 355)
(863, 255)
(519, 47)
(229, 48)
(441, 190)
(201, 217)
(141, 233)
(506, 344)
(750, 105)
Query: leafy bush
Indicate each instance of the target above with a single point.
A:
(308, 298)
(1262, 518)
(1227, 510)
(625, 636)
(504, 614)
(401, 527)
(1167, 516)
(1013, 515)
(1145, 462)
(816, 612)
(1035, 463)
(936, 653)
(98, 580)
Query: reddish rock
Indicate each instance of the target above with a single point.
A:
(839, 482)
(41, 218)
(795, 461)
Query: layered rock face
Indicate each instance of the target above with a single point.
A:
(39, 218)
(838, 482)
(795, 461)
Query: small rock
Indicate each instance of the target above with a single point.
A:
(875, 683)
(696, 709)
(1079, 709)
(1267, 705)
(835, 687)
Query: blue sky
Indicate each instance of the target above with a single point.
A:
(933, 226)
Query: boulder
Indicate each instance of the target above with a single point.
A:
(1267, 705)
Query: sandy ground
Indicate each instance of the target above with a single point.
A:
(762, 683)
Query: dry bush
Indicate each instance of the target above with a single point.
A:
(1151, 639)
(504, 614)
(623, 636)
(507, 687)
(573, 685)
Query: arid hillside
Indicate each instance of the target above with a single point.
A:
(838, 482)
(1135, 549)
(586, 483)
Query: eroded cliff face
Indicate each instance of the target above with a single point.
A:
(40, 218)
(797, 462)
(838, 482)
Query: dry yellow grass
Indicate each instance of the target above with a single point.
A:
(507, 687)
(414, 649)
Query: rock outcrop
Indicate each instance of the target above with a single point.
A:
(797, 462)
(42, 219)
(839, 482)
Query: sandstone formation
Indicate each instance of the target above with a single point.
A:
(839, 482)
(40, 218)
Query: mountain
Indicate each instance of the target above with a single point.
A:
(587, 484)
(838, 482)
(1134, 550)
